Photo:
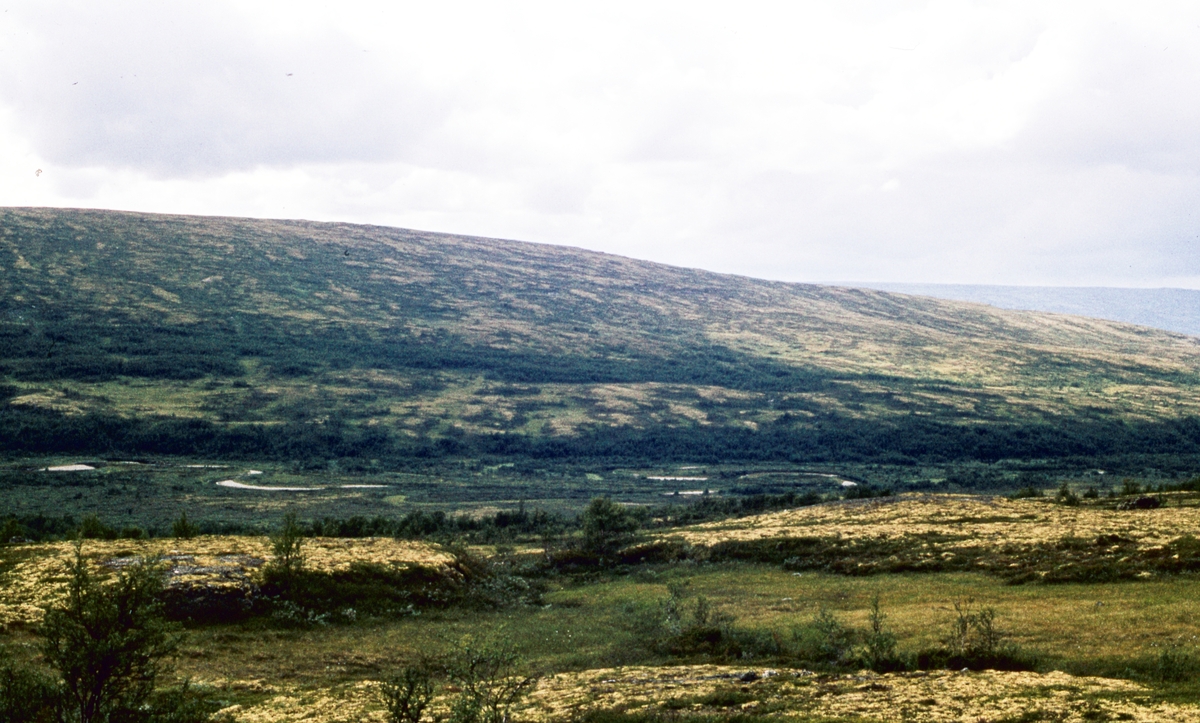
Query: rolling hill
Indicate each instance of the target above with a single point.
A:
(1175, 310)
(128, 333)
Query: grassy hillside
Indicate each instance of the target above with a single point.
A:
(125, 333)
(1171, 309)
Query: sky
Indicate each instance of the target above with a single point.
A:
(1041, 143)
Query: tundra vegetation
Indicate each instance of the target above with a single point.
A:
(279, 471)
(847, 607)
(370, 349)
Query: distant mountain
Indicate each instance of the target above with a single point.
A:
(1175, 310)
(128, 333)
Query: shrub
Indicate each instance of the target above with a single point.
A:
(973, 632)
(1066, 496)
(707, 632)
(1130, 488)
(975, 642)
(91, 528)
(1174, 664)
(183, 529)
(607, 526)
(490, 682)
(880, 654)
(106, 641)
(287, 547)
(406, 695)
(677, 627)
(864, 492)
(825, 641)
(1026, 493)
(26, 696)
(11, 531)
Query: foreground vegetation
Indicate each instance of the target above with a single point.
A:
(586, 624)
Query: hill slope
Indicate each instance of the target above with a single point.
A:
(1175, 310)
(138, 333)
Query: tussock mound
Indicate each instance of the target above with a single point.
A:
(207, 564)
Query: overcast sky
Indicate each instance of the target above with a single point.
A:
(1006, 142)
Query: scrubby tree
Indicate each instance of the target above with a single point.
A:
(880, 654)
(1066, 496)
(287, 544)
(182, 528)
(407, 693)
(106, 640)
(489, 678)
(606, 526)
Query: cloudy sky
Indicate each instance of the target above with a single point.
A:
(1005, 142)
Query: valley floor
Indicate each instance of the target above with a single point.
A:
(1121, 649)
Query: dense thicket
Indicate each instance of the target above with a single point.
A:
(92, 346)
(834, 438)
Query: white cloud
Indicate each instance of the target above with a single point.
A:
(957, 142)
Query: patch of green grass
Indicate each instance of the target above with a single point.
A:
(595, 624)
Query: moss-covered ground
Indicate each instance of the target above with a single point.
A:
(1120, 650)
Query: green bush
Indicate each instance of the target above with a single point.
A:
(26, 696)
(606, 526)
(880, 643)
(825, 642)
(287, 546)
(11, 531)
(489, 678)
(1066, 496)
(690, 628)
(183, 529)
(406, 694)
(975, 642)
(1175, 664)
(1130, 488)
(91, 528)
(106, 641)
